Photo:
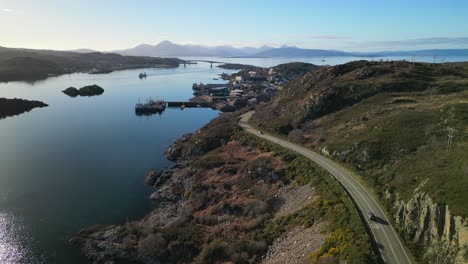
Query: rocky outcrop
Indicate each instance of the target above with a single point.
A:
(214, 135)
(156, 179)
(175, 151)
(443, 235)
(121, 243)
(90, 90)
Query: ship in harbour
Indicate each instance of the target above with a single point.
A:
(150, 107)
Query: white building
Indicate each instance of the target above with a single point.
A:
(236, 92)
(252, 74)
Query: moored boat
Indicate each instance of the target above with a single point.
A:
(150, 107)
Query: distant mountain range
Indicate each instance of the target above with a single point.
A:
(169, 49)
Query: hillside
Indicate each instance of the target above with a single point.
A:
(30, 65)
(388, 121)
(235, 199)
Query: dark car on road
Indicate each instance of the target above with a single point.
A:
(371, 216)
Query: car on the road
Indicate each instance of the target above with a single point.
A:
(260, 132)
(371, 216)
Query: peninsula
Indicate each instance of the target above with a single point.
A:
(12, 107)
(32, 65)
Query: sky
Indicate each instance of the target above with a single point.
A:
(348, 25)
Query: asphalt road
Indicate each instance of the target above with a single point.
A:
(390, 246)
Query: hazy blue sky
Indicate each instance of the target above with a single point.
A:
(348, 25)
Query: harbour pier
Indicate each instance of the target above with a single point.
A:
(203, 104)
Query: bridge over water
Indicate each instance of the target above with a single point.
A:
(185, 62)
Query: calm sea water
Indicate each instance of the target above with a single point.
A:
(81, 161)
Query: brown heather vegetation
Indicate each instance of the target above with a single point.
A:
(223, 204)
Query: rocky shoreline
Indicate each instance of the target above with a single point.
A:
(228, 199)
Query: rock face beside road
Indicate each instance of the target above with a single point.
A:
(444, 235)
(90, 90)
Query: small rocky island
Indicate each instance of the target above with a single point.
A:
(89, 90)
(12, 107)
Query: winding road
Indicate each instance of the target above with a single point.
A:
(391, 248)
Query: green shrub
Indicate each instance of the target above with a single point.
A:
(300, 170)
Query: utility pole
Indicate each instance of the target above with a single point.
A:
(450, 138)
(226, 228)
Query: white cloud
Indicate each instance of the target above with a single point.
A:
(7, 10)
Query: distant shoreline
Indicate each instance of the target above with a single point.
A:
(34, 65)
(32, 80)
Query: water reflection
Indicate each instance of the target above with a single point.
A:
(15, 241)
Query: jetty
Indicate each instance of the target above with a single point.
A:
(185, 62)
(203, 104)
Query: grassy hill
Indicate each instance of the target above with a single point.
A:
(378, 116)
(389, 121)
(30, 65)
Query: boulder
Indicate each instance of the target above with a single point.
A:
(156, 179)
(152, 177)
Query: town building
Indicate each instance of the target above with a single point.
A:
(219, 91)
(236, 92)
